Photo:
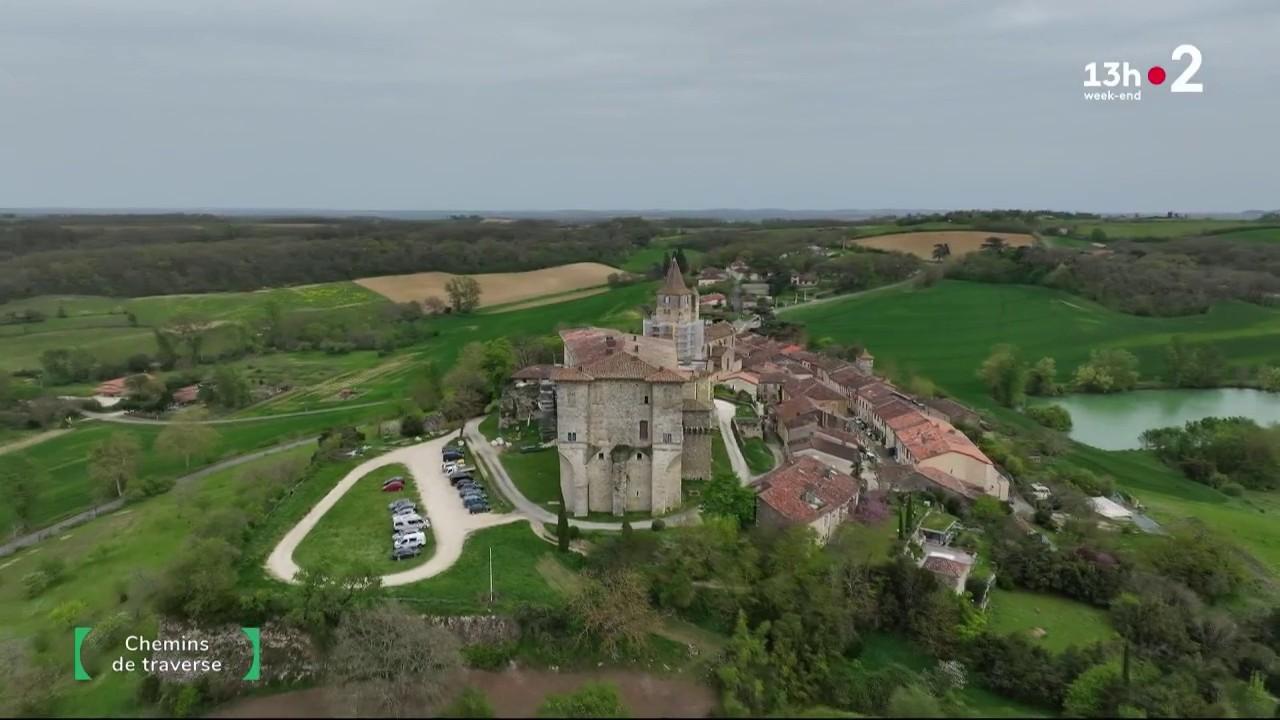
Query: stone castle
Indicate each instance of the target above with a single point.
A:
(631, 414)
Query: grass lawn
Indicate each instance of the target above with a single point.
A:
(720, 462)
(870, 543)
(1259, 234)
(1067, 622)
(641, 260)
(463, 588)
(104, 557)
(357, 530)
(536, 474)
(756, 452)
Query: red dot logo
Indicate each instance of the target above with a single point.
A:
(1156, 75)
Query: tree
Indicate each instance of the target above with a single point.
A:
(113, 463)
(391, 662)
(1096, 692)
(612, 608)
(1269, 378)
(725, 496)
(20, 484)
(562, 527)
(1005, 376)
(994, 245)
(593, 700)
(941, 251)
(1042, 378)
(744, 669)
(433, 305)
(1108, 370)
(1054, 417)
(1193, 366)
(187, 437)
(326, 595)
(228, 388)
(1097, 235)
(464, 293)
(426, 392)
(498, 362)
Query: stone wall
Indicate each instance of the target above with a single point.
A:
(288, 655)
(479, 629)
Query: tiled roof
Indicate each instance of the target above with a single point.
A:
(875, 390)
(620, 366)
(937, 437)
(948, 481)
(666, 375)
(895, 408)
(712, 298)
(674, 284)
(573, 374)
(812, 389)
(851, 378)
(114, 386)
(716, 331)
(533, 372)
(709, 273)
(806, 489)
(585, 345)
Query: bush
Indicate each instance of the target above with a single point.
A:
(470, 704)
(1234, 489)
(659, 525)
(36, 582)
(488, 657)
(1054, 417)
(148, 690)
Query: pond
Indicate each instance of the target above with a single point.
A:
(1114, 422)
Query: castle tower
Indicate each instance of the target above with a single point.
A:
(676, 316)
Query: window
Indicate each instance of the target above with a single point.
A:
(601, 456)
(666, 437)
(639, 456)
(644, 429)
(646, 399)
(573, 437)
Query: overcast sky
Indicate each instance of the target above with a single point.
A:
(606, 104)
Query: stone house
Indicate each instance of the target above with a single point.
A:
(806, 492)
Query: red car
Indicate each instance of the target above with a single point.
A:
(396, 486)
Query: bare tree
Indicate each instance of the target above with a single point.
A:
(614, 610)
(389, 661)
(434, 305)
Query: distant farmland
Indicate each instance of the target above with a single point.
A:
(495, 288)
(961, 242)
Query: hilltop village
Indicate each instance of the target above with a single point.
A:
(633, 417)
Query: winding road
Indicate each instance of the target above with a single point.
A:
(450, 521)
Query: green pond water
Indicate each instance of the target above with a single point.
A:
(1114, 422)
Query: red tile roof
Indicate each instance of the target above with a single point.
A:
(937, 437)
(717, 331)
(948, 481)
(895, 408)
(186, 394)
(111, 388)
(806, 489)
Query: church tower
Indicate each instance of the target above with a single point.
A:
(676, 316)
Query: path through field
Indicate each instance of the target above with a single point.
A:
(725, 411)
(120, 417)
(27, 442)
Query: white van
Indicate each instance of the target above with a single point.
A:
(413, 539)
(401, 523)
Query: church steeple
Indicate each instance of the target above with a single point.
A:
(674, 284)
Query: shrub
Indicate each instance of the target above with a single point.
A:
(1234, 489)
(659, 525)
(484, 656)
(1055, 417)
(36, 582)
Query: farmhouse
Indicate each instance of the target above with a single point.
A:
(806, 492)
(950, 565)
(713, 300)
(113, 388)
(711, 276)
(186, 395)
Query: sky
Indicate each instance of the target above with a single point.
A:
(602, 104)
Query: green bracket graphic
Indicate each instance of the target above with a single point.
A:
(255, 637)
(81, 634)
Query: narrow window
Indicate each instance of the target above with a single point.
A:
(646, 399)
(639, 456)
(601, 456)
(644, 429)
(573, 437)
(666, 437)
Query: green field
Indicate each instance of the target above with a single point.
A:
(106, 557)
(68, 489)
(1066, 622)
(463, 589)
(946, 331)
(1156, 228)
(1261, 234)
(356, 529)
(101, 324)
(1169, 496)
(641, 260)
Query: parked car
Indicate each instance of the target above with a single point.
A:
(478, 508)
(400, 503)
(405, 510)
(458, 477)
(402, 523)
(413, 539)
(393, 487)
(451, 455)
(404, 553)
(396, 478)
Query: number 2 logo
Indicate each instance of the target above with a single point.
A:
(1183, 83)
